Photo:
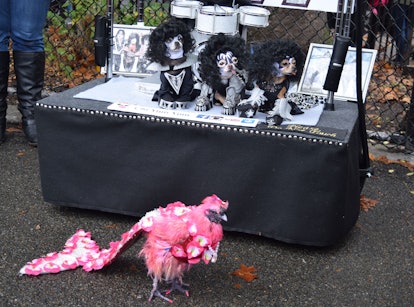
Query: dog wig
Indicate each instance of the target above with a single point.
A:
(156, 51)
(266, 54)
(220, 43)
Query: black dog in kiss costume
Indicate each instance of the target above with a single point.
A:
(168, 50)
(273, 66)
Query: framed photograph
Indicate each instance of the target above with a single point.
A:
(257, 2)
(316, 69)
(301, 3)
(128, 50)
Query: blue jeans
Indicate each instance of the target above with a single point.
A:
(403, 28)
(23, 21)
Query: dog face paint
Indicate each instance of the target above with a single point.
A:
(227, 64)
(175, 47)
(286, 67)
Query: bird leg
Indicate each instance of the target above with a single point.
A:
(177, 284)
(156, 292)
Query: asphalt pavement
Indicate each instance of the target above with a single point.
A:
(372, 266)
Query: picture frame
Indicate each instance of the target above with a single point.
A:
(317, 65)
(298, 3)
(129, 45)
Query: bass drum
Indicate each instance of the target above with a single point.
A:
(254, 16)
(185, 9)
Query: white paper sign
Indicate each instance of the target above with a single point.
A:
(312, 5)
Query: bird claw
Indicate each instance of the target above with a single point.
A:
(158, 294)
(176, 284)
(179, 286)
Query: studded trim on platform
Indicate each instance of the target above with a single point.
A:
(179, 122)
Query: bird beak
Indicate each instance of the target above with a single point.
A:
(223, 217)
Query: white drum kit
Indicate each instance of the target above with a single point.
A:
(214, 19)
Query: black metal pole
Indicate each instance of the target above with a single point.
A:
(110, 35)
(140, 8)
(339, 51)
(364, 163)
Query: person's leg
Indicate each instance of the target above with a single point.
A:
(29, 68)
(400, 31)
(4, 62)
(4, 77)
(28, 19)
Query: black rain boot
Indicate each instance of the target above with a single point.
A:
(30, 70)
(4, 77)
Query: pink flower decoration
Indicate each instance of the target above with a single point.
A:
(35, 262)
(207, 256)
(147, 223)
(193, 250)
(178, 251)
(87, 267)
(98, 264)
(70, 244)
(83, 259)
(172, 206)
(194, 260)
(51, 256)
(202, 240)
(70, 264)
(192, 229)
(33, 270)
(179, 211)
(51, 267)
(67, 251)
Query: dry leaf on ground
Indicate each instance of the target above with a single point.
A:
(245, 272)
(385, 160)
(367, 203)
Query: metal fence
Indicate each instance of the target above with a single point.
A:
(388, 29)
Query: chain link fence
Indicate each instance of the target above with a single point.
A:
(388, 29)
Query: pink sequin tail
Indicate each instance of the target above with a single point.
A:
(81, 250)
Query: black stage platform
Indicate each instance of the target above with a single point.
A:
(291, 185)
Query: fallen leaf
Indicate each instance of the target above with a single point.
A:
(112, 226)
(20, 154)
(12, 129)
(21, 212)
(37, 227)
(245, 272)
(133, 267)
(385, 160)
(367, 203)
(237, 286)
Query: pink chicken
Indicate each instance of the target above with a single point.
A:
(177, 237)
